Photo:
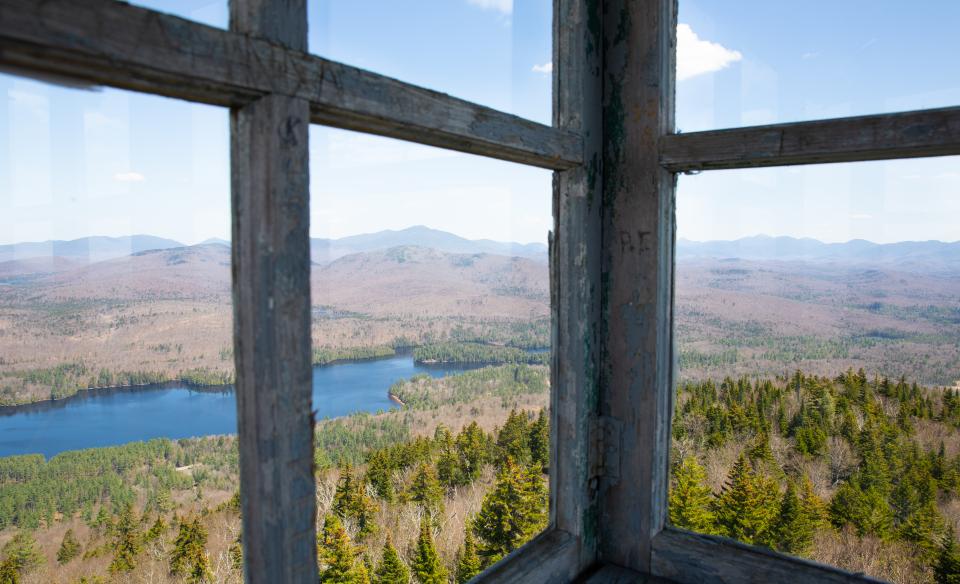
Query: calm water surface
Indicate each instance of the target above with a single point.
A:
(108, 417)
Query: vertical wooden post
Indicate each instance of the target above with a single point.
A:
(638, 238)
(271, 299)
(575, 276)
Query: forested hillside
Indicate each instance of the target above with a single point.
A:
(855, 471)
(445, 486)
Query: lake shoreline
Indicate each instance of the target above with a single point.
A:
(85, 392)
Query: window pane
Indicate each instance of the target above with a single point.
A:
(818, 331)
(493, 52)
(769, 62)
(115, 332)
(211, 12)
(430, 287)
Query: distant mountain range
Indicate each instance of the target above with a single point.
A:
(322, 251)
(326, 250)
(926, 255)
(88, 249)
(936, 255)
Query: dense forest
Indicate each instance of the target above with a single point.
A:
(856, 471)
(388, 494)
(852, 471)
(476, 353)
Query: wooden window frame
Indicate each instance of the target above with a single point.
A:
(615, 155)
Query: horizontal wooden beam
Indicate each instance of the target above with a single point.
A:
(686, 557)
(610, 574)
(112, 43)
(934, 132)
(552, 556)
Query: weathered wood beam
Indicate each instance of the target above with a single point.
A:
(639, 40)
(610, 574)
(934, 132)
(120, 45)
(550, 557)
(683, 556)
(575, 252)
(271, 306)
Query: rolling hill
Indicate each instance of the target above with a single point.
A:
(915, 255)
(99, 248)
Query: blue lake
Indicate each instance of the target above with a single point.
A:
(116, 416)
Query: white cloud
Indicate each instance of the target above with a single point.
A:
(129, 177)
(504, 6)
(696, 56)
(861, 216)
(545, 68)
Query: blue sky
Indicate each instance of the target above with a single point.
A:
(76, 163)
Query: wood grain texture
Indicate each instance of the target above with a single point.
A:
(281, 21)
(271, 306)
(271, 297)
(897, 135)
(637, 309)
(610, 574)
(688, 557)
(550, 557)
(575, 277)
(116, 44)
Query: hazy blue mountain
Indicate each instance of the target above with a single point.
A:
(926, 255)
(326, 250)
(90, 249)
(215, 241)
(94, 249)
(936, 255)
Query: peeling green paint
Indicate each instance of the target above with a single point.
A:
(614, 135)
(594, 26)
(623, 26)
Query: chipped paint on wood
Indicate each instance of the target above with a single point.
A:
(575, 275)
(638, 238)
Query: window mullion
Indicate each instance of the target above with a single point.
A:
(638, 239)
(271, 298)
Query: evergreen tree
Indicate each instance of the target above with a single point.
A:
(156, 530)
(236, 553)
(23, 553)
(468, 562)
(126, 543)
(448, 461)
(924, 527)
(690, 499)
(748, 505)
(513, 512)
(380, 475)
(426, 489)
(795, 528)
(426, 564)
(351, 501)
(512, 439)
(189, 556)
(69, 548)
(812, 505)
(338, 557)
(540, 441)
(344, 499)
(391, 570)
(472, 448)
(9, 574)
(947, 568)
(867, 511)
